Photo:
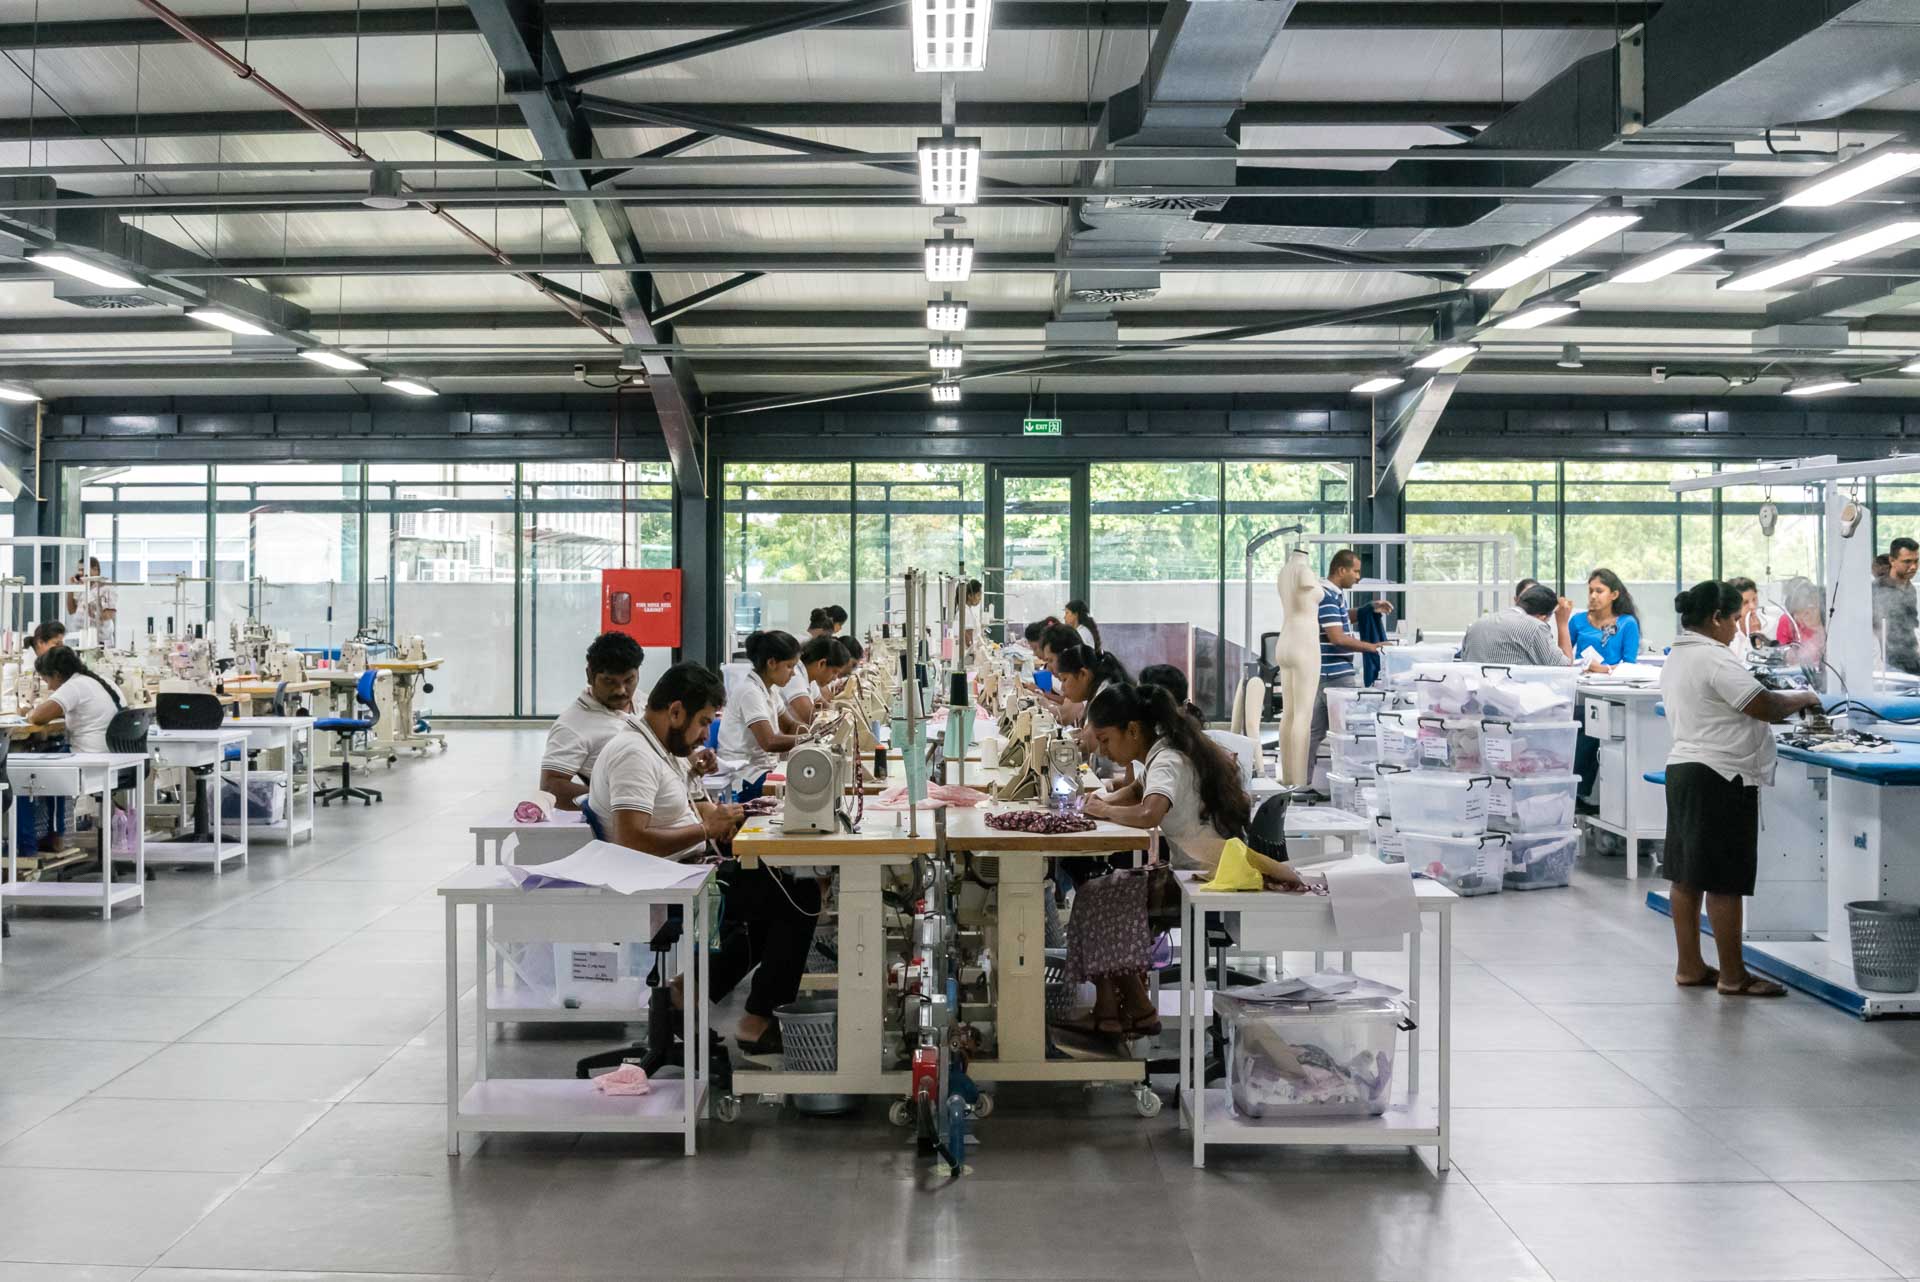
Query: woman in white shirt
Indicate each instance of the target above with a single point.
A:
(1722, 752)
(822, 659)
(1075, 616)
(76, 696)
(750, 726)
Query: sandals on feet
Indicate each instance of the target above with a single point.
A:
(1754, 986)
(1709, 980)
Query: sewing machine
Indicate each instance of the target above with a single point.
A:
(251, 640)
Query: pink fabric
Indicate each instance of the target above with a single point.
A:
(938, 794)
(529, 812)
(628, 1079)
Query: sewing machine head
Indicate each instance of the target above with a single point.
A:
(413, 649)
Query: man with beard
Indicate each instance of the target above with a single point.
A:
(644, 798)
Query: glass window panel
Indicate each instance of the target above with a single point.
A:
(927, 516)
(1154, 569)
(1511, 498)
(1035, 531)
(1795, 550)
(573, 531)
(786, 528)
(287, 549)
(1263, 497)
(1623, 517)
(148, 526)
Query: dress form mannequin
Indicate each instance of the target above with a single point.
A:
(1298, 652)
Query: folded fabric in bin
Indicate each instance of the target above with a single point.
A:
(1524, 701)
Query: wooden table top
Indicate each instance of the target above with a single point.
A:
(966, 830)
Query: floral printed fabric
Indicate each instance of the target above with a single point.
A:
(1107, 934)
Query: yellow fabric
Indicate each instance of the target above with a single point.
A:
(1234, 871)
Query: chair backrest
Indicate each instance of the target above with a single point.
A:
(188, 710)
(279, 702)
(363, 692)
(127, 732)
(1244, 751)
(1270, 649)
(593, 821)
(713, 734)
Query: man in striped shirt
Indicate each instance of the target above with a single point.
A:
(1337, 645)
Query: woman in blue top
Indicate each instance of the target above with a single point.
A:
(1612, 629)
(1610, 624)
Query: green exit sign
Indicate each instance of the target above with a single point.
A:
(1040, 427)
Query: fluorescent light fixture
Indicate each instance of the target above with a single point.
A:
(18, 395)
(1814, 259)
(949, 171)
(945, 355)
(949, 261)
(1536, 315)
(332, 360)
(1661, 263)
(1875, 167)
(946, 392)
(946, 315)
(1383, 383)
(410, 386)
(1443, 356)
(84, 270)
(950, 35)
(226, 320)
(1556, 246)
(1817, 386)
(1911, 367)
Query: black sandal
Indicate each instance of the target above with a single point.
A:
(769, 1043)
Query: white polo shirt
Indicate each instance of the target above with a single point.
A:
(749, 704)
(637, 773)
(1169, 773)
(1705, 688)
(87, 709)
(579, 734)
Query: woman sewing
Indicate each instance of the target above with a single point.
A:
(822, 659)
(750, 726)
(1722, 752)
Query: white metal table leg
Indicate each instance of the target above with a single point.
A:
(1446, 1039)
(453, 1028)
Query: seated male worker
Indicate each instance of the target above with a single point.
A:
(582, 731)
(646, 800)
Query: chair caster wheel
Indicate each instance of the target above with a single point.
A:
(727, 1108)
(982, 1108)
(1145, 1102)
(900, 1113)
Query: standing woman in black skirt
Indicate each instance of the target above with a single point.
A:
(1722, 753)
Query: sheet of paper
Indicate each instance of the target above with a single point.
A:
(603, 865)
(1371, 900)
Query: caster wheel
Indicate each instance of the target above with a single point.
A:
(1145, 1102)
(982, 1108)
(899, 1113)
(727, 1108)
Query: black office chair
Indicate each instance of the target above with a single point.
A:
(1269, 669)
(347, 728)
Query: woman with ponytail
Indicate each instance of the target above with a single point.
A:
(1189, 788)
(77, 696)
(750, 726)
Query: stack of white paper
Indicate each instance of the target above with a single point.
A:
(1371, 900)
(601, 865)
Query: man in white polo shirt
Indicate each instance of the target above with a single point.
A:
(581, 732)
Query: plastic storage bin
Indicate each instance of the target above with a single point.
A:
(1388, 845)
(1537, 860)
(1532, 803)
(1445, 689)
(1545, 748)
(1398, 661)
(1464, 865)
(1352, 711)
(1310, 1059)
(1449, 744)
(1355, 796)
(1398, 734)
(1355, 755)
(1526, 692)
(1433, 801)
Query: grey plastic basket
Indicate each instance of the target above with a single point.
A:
(1886, 945)
(810, 1041)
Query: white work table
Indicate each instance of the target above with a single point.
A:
(81, 774)
(1019, 947)
(555, 837)
(1416, 1119)
(569, 1105)
(190, 750)
(1634, 740)
(283, 735)
(558, 835)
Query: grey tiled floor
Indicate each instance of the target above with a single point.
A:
(245, 1081)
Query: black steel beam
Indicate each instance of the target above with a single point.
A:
(524, 49)
(806, 19)
(722, 15)
(711, 292)
(841, 115)
(486, 151)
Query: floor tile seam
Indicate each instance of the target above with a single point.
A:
(1782, 1185)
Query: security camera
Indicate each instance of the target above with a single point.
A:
(579, 373)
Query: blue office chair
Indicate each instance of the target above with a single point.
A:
(346, 728)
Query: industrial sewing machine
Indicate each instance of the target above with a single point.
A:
(252, 640)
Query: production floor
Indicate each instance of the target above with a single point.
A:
(246, 1080)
